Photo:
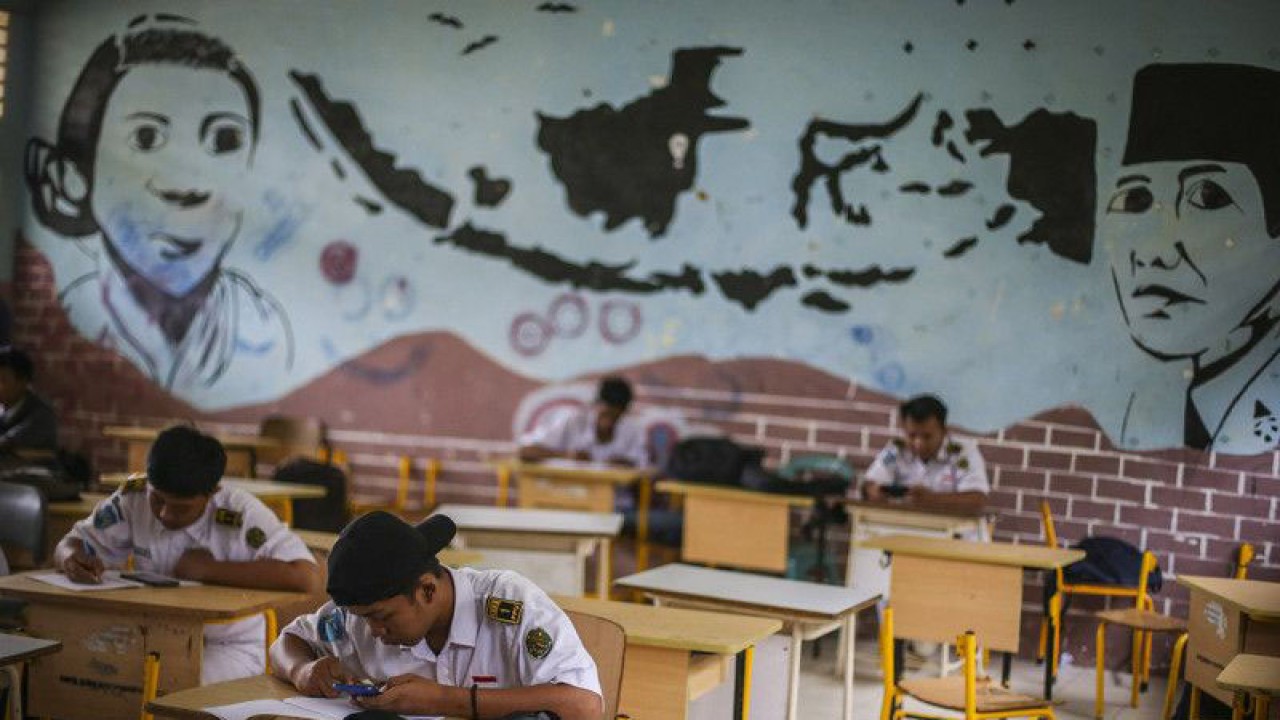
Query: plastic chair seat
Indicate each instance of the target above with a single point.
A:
(1146, 620)
(948, 692)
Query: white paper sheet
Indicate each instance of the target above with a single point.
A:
(111, 580)
(246, 710)
(337, 708)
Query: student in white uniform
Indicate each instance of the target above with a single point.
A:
(180, 522)
(604, 433)
(438, 640)
(927, 464)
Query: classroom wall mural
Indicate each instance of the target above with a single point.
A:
(1018, 205)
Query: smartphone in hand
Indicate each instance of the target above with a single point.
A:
(150, 578)
(362, 689)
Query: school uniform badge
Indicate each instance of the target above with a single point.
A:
(504, 611)
(106, 517)
(135, 483)
(538, 642)
(229, 518)
(255, 537)
(331, 628)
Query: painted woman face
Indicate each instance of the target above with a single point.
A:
(1190, 255)
(171, 157)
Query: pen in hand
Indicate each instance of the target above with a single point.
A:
(91, 565)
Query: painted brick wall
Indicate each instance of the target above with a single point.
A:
(1191, 508)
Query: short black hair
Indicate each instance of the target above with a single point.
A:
(923, 407)
(17, 361)
(185, 462)
(615, 392)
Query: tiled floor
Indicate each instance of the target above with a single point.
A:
(822, 694)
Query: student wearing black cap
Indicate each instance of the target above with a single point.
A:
(180, 522)
(437, 640)
(1193, 231)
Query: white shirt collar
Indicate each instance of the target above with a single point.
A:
(465, 625)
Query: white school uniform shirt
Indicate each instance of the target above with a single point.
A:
(506, 633)
(235, 527)
(958, 467)
(576, 432)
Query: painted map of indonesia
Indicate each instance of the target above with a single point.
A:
(634, 162)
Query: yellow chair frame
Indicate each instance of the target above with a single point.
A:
(895, 693)
(1142, 599)
(430, 476)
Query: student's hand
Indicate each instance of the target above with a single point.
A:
(407, 695)
(194, 564)
(82, 567)
(872, 491)
(316, 678)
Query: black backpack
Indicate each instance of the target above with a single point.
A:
(328, 513)
(1107, 561)
(711, 460)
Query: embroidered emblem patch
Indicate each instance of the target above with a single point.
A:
(538, 642)
(963, 464)
(142, 552)
(504, 611)
(331, 627)
(255, 537)
(106, 516)
(134, 483)
(230, 518)
(953, 448)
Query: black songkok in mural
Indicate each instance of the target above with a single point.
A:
(1210, 112)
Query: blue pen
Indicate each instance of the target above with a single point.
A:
(90, 552)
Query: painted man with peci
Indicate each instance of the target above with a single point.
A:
(603, 433)
(927, 464)
(179, 522)
(435, 640)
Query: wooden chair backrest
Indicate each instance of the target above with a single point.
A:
(606, 642)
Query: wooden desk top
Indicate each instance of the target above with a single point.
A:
(679, 487)
(894, 507)
(1257, 599)
(148, 434)
(321, 541)
(208, 602)
(786, 598)
(189, 704)
(579, 471)
(20, 648)
(257, 488)
(694, 630)
(1256, 674)
(994, 553)
(532, 521)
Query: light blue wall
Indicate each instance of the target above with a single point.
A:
(944, 273)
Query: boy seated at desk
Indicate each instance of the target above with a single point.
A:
(437, 640)
(604, 433)
(179, 522)
(927, 463)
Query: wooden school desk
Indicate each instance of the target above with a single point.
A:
(567, 535)
(16, 650)
(940, 588)
(242, 450)
(321, 543)
(559, 484)
(1251, 676)
(107, 635)
(806, 610)
(190, 704)
(889, 517)
(731, 526)
(1226, 618)
(675, 656)
(278, 496)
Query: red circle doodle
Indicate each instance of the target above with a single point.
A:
(338, 262)
(530, 334)
(569, 315)
(620, 321)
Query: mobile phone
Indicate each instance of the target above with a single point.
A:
(150, 578)
(358, 689)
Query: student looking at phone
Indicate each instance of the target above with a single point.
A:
(435, 640)
(927, 464)
(180, 522)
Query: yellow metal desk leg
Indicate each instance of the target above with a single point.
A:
(1175, 672)
(1101, 681)
(742, 684)
(642, 523)
(504, 483)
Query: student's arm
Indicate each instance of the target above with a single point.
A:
(293, 661)
(416, 695)
(73, 560)
(297, 575)
(534, 453)
(880, 473)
